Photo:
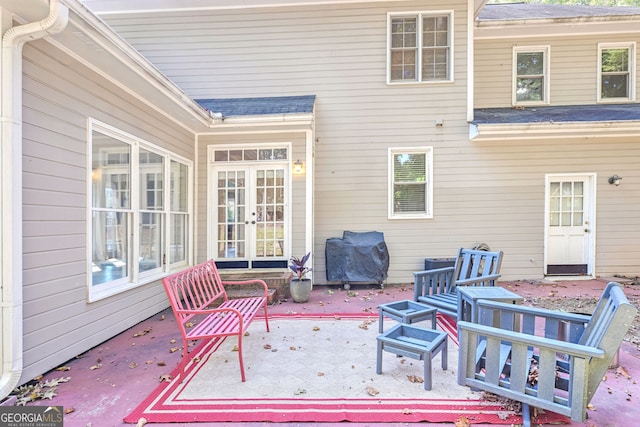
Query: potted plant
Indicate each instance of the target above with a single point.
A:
(300, 286)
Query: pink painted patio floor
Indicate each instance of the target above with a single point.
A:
(132, 363)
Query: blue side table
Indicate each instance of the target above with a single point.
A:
(416, 343)
(408, 312)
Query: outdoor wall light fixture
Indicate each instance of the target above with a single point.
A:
(297, 166)
(615, 180)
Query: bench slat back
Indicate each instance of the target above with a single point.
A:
(195, 288)
(472, 263)
(605, 330)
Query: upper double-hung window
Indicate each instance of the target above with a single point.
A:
(531, 75)
(420, 47)
(140, 211)
(616, 65)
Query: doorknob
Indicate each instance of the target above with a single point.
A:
(586, 230)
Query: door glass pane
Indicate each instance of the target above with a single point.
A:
(270, 208)
(566, 209)
(231, 213)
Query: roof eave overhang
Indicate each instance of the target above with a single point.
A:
(94, 44)
(302, 120)
(553, 130)
(525, 28)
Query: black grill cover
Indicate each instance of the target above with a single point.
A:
(357, 257)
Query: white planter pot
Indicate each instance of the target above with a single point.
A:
(300, 289)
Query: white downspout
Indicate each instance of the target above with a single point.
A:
(11, 186)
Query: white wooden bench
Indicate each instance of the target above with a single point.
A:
(203, 310)
(547, 359)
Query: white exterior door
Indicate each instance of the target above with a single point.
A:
(249, 219)
(570, 225)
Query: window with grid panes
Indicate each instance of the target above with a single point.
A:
(420, 48)
(134, 234)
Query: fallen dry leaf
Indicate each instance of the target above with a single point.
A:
(69, 410)
(141, 422)
(235, 348)
(371, 391)
(292, 347)
(415, 379)
(316, 328)
(503, 415)
(63, 368)
(621, 371)
(591, 407)
(172, 342)
(149, 362)
(463, 422)
(321, 374)
(407, 411)
(165, 378)
(174, 349)
(145, 331)
(267, 346)
(161, 363)
(94, 367)
(133, 365)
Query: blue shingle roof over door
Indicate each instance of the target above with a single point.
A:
(230, 107)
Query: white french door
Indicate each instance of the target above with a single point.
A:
(570, 224)
(250, 219)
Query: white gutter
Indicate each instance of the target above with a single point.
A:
(11, 186)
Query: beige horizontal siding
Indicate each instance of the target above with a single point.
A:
(573, 68)
(59, 95)
(488, 192)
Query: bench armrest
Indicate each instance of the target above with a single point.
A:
(247, 282)
(434, 272)
(487, 278)
(508, 336)
(208, 311)
(541, 313)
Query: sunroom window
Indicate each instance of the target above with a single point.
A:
(616, 76)
(420, 47)
(410, 184)
(138, 228)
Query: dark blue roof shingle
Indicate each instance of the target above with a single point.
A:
(515, 11)
(569, 113)
(230, 107)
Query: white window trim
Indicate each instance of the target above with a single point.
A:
(632, 71)
(428, 214)
(107, 289)
(546, 52)
(419, 15)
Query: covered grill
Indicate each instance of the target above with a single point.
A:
(360, 257)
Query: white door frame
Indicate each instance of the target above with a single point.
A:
(212, 212)
(590, 180)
